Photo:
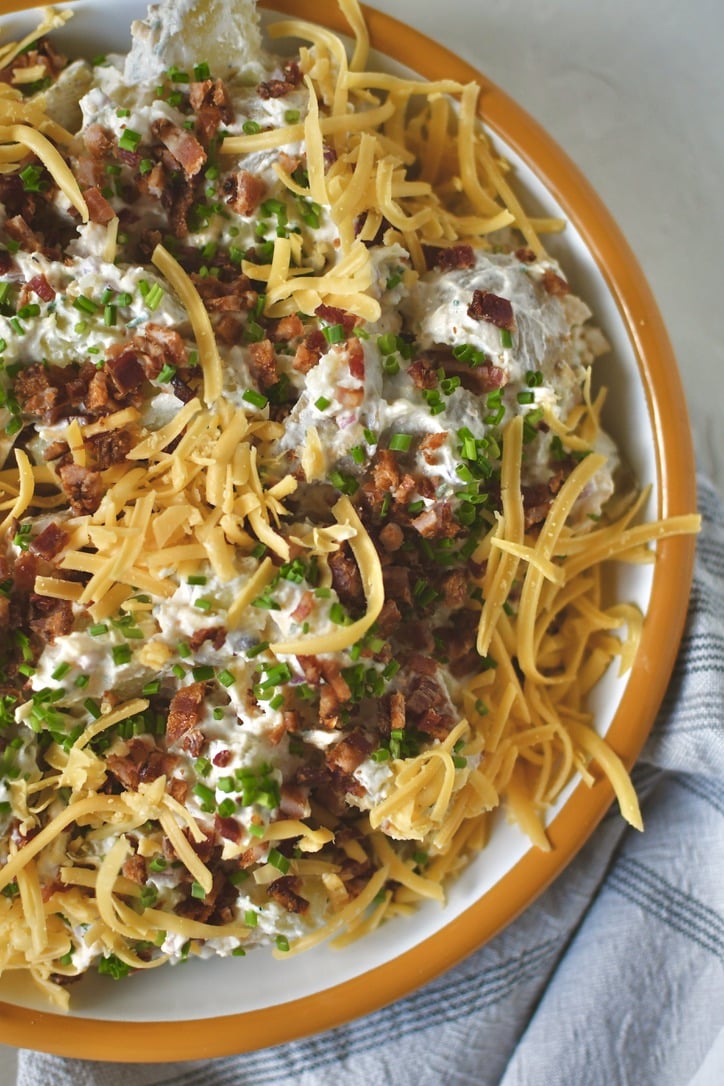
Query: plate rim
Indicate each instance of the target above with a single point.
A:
(165, 1041)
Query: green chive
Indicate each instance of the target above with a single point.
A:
(130, 140)
(256, 398)
(400, 442)
(322, 403)
(121, 654)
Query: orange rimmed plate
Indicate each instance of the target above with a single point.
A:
(219, 1007)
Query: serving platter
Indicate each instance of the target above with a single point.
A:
(213, 1008)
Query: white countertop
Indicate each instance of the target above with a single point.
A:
(634, 93)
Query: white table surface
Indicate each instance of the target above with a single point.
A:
(633, 91)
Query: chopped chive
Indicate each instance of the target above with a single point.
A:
(130, 140)
(197, 890)
(334, 333)
(121, 654)
(291, 116)
(400, 442)
(98, 629)
(258, 399)
(226, 678)
(322, 403)
(60, 671)
(201, 72)
(278, 860)
(85, 305)
(506, 339)
(282, 943)
(166, 373)
(250, 128)
(92, 707)
(203, 604)
(203, 673)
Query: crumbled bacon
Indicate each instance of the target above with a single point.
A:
(391, 536)
(284, 891)
(332, 672)
(244, 192)
(350, 752)
(293, 801)
(49, 542)
(39, 285)
(134, 868)
(329, 707)
(422, 373)
(222, 757)
(83, 486)
(182, 144)
(490, 307)
(556, 286)
(184, 712)
(210, 101)
(288, 328)
(99, 210)
(346, 577)
(525, 255)
(453, 256)
(125, 368)
(109, 447)
(98, 140)
(304, 608)
(51, 618)
(263, 363)
(215, 634)
(19, 231)
(228, 828)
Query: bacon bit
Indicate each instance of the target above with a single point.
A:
(154, 183)
(455, 589)
(396, 580)
(346, 577)
(49, 542)
(398, 718)
(525, 255)
(184, 712)
(437, 522)
(356, 359)
(287, 328)
(182, 144)
(391, 537)
(350, 752)
(99, 210)
(52, 618)
(422, 373)
(125, 369)
(422, 665)
(490, 307)
(39, 285)
(178, 788)
(454, 256)
(244, 192)
(193, 742)
(305, 607)
(222, 758)
(305, 358)
(98, 140)
(83, 487)
(228, 828)
(215, 634)
(292, 720)
(210, 101)
(278, 88)
(19, 231)
(55, 450)
(310, 669)
(430, 443)
(284, 890)
(134, 868)
(125, 770)
(109, 447)
(555, 284)
(263, 363)
(332, 672)
(328, 707)
(293, 801)
(435, 724)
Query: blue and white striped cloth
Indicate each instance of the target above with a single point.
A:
(614, 977)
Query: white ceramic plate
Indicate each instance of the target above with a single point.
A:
(229, 1005)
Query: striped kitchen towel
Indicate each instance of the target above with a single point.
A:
(615, 976)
